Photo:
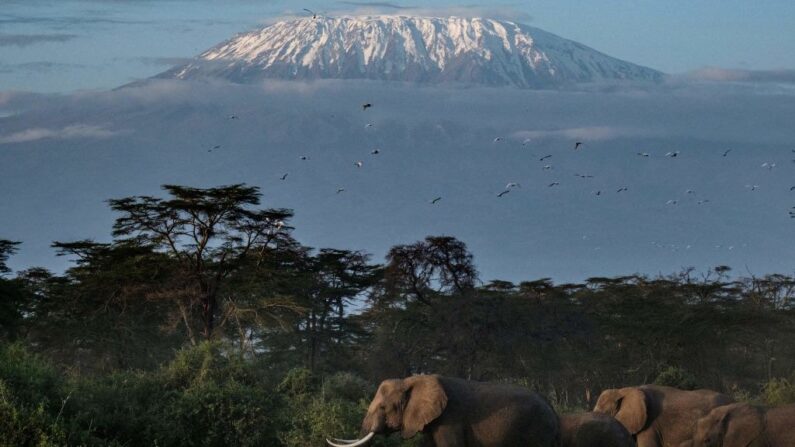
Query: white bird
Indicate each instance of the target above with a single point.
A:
(232, 117)
(526, 142)
(768, 165)
(339, 190)
(752, 187)
(643, 154)
(368, 125)
(375, 152)
(498, 139)
(358, 164)
(547, 167)
(671, 202)
(672, 154)
(701, 202)
(583, 176)
(512, 185)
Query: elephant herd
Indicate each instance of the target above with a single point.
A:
(459, 413)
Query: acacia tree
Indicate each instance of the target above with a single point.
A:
(7, 248)
(210, 232)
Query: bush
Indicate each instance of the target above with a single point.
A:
(677, 378)
(23, 425)
(779, 392)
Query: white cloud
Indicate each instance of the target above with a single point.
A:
(66, 133)
(717, 74)
(596, 133)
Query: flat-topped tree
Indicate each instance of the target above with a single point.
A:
(7, 248)
(211, 232)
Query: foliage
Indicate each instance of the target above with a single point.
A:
(205, 323)
(779, 392)
(677, 378)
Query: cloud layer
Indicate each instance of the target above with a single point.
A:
(24, 40)
(71, 132)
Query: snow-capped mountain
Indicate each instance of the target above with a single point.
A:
(409, 49)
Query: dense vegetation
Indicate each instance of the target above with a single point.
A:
(204, 323)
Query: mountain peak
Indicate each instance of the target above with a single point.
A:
(409, 49)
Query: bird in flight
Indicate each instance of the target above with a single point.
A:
(217, 146)
(368, 125)
(598, 193)
(358, 164)
(768, 165)
(284, 177)
(792, 188)
(727, 152)
(752, 187)
(232, 117)
(526, 142)
(643, 154)
(497, 139)
(314, 16)
(553, 184)
(339, 190)
(622, 189)
(701, 202)
(304, 157)
(375, 152)
(503, 193)
(672, 154)
(544, 157)
(512, 185)
(577, 145)
(433, 202)
(366, 106)
(690, 191)
(583, 176)
(547, 167)
(671, 202)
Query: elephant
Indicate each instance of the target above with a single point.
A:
(454, 412)
(659, 416)
(593, 430)
(745, 425)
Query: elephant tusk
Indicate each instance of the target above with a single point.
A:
(344, 441)
(355, 443)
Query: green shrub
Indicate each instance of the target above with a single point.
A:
(779, 392)
(677, 378)
(23, 425)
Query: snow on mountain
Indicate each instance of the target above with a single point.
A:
(409, 49)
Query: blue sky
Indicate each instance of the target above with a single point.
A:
(65, 45)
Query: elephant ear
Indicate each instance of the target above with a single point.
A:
(632, 409)
(425, 401)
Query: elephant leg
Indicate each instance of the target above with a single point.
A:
(447, 436)
(648, 439)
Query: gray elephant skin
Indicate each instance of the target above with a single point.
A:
(659, 416)
(745, 425)
(593, 430)
(459, 413)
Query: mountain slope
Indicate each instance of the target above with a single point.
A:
(409, 49)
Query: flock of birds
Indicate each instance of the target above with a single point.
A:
(577, 146)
